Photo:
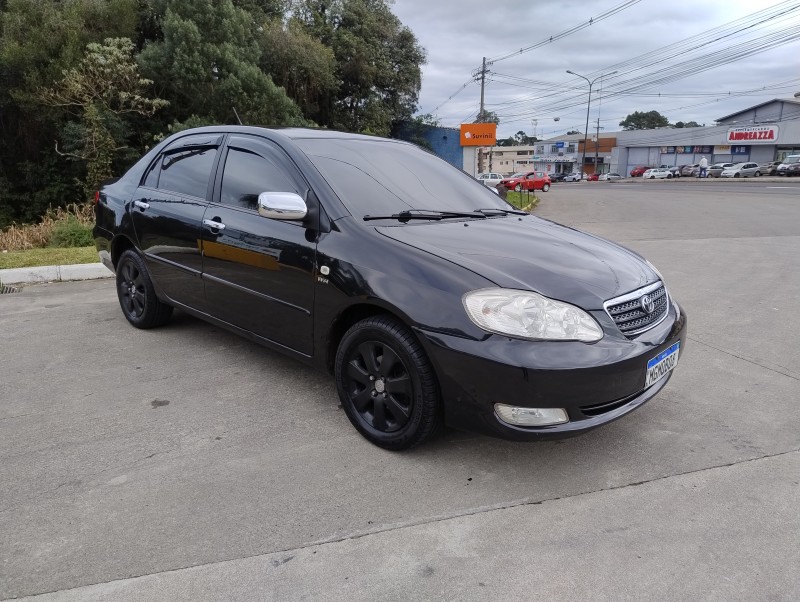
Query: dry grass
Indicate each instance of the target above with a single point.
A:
(36, 236)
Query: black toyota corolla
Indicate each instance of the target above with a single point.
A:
(430, 299)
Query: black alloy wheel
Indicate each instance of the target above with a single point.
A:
(136, 294)
(386, 384)
(736, 175)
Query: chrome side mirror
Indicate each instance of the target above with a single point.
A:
(282, 205)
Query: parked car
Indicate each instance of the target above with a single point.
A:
(786, 168)
(352, 254)
(741, 170)
(575, 177)
(490, 179)
(532, 180)
(690, 170)
(657, 173)
(592, 177)
(638, 171)
(675, 170)
(769, 169)
(716, 170)
(557, 177)
(610, 176)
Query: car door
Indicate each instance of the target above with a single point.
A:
(167, 211)
(259, 272)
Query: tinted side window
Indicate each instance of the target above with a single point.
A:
(247, 175)
(187, 172)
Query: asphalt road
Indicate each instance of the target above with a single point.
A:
(186, 463)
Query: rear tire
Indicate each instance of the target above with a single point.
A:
(736, 175)
(545, 187)
(386, 384)
(136, 294)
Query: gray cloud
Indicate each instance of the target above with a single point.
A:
(457, 34)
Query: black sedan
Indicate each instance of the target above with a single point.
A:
(430, 299)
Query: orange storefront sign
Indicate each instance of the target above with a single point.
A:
(478, 134)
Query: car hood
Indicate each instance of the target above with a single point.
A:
(533, 254)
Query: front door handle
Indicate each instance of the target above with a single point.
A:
(142, 205)
(213, 225)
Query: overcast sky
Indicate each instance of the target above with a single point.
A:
(456, 34)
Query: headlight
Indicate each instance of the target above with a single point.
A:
(528, 315)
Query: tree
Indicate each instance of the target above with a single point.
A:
(688, 124)
(207, 65)
(377, 62)
(39, 39)
(100, 91)
(302, 65)
(644, 121)
(487, 117)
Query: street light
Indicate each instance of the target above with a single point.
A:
(588, 105)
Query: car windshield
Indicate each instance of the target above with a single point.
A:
(385, 177)
(520, 174)
(789, 160)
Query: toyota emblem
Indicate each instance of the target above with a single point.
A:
(648, 305)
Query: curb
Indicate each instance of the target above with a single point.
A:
(55, 273)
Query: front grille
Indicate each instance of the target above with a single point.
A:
(629, 313)
(601, 408)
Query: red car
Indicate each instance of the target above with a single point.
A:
(639, 171)
(592, 177)
(532, 180)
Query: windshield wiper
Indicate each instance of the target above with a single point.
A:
(498, 211)
(425, 214)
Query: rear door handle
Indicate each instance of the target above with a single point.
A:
(213, 225)
(142, 205)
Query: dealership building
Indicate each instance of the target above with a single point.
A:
(762, 133)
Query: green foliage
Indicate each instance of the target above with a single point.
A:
(644, 121)
(74, 108)
(69, 232)
(487, 117)
(687, 124)
(101, 90)
(378, 62)
(207, 64)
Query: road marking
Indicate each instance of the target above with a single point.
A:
(783, 187)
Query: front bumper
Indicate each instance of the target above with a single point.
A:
(595, 383)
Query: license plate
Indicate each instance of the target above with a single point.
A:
(660, 365)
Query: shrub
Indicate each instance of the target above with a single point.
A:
(74, 226)
(69, 232)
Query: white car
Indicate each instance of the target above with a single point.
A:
(657, 173)
(609, 177)
(741, 170)
(490, 179)
(575, 177)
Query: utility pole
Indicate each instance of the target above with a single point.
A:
(596, 144)
(480, 112)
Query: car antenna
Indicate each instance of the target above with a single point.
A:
(237, 116)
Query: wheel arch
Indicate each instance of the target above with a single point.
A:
(119, 245)
(351, 315)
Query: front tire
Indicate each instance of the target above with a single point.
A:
(758, 173)
(736, 175)
(545, 187)
(137, 296)
(518, 188)
(386, 384)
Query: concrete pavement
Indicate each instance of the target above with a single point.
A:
(186, 463)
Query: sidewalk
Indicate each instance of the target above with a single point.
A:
(55, 273)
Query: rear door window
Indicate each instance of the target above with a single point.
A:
(185, 167)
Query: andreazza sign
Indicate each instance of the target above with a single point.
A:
(757, 134)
